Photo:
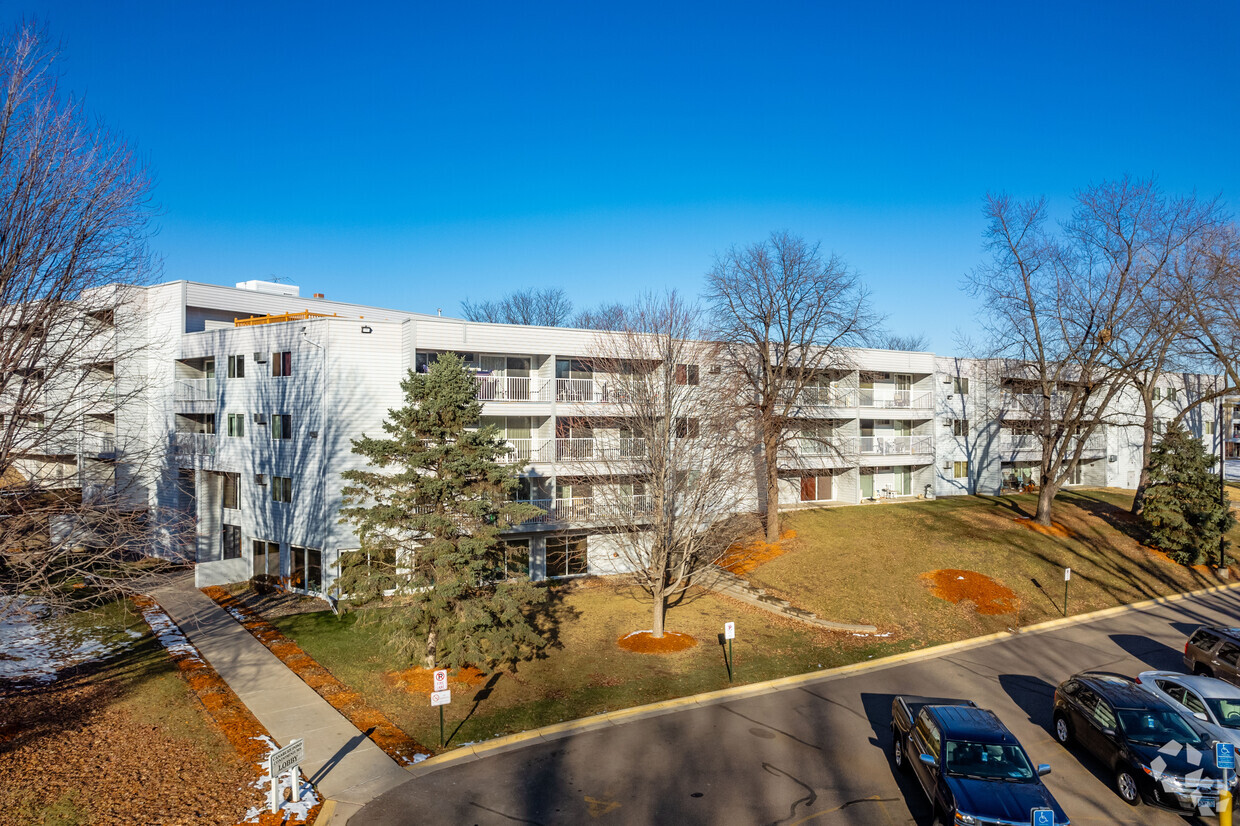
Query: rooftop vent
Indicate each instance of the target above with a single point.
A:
(269, 287)
(319, 295)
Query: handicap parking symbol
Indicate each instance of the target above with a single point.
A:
(1042, 817)
(1225, 755)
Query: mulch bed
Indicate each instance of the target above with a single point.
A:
(421, 681)
(644, 642)
(743, 557)
(1054, 529)
(378, 727)
(248, 737)
(955, 586)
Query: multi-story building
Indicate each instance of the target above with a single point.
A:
(255, 393)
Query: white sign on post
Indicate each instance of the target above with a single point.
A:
(440, 698)
(729, 630)
(441, 680)
(284, 760)
(1067, 574)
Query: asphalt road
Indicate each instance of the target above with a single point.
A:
(817, 754)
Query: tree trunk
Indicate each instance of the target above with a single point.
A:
(660, 609)
(770, 454)
(1046, 498)
(1147, 449)
(430, 650)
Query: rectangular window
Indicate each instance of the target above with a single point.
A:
(960, 470)
(516, 558)
(687, 428)
(960, 386)
(232, 491)
(236, 424)
(1207, 428)
(960, 427)
(282, 363)
(266, 558)
(1158, 426)
(566, 555)
(1156, 393)
(232, 542)
(281, 426)
(687, 374)
(236, 367)
(281, 489)
(1171, 391)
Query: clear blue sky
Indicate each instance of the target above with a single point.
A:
(415, 154)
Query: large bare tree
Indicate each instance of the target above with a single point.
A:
(546, 307)
(1067, 310)
(784, 314)
(667, 465)
(75, 213)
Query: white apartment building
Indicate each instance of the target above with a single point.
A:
(255, 393)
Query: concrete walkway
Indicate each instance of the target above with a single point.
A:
(345, 765)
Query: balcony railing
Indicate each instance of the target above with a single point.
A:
(895, 399)
(195, 390)
(98, 443)
(894, 445)
(829, 396)
(1012, 442)
(570, 450)
(195, 444)
(509, 389)
(580, 390)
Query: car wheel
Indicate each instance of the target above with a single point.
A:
(1200, 670)
(899, 754)
(1126, 785)
(1063, 730)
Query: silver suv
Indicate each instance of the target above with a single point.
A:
(1212, 651)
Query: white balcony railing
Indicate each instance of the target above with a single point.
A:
(509, 389)
(895, 399)
(195, 444)
(1016, 442)
(573, 450)
(580, 390)
(894, 445)
(195, 390)
(98, 443)
(829, 396)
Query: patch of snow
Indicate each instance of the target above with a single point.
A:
(168, 634)
(884, 634)
(34, 648)
(635, 633)
(288, 809)
(235, 614)
(959, 577)
(418, 758)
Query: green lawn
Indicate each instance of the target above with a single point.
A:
(857, 564)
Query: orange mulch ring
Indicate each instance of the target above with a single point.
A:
(418, 680)
(743, 557)
(955, 586)
(1054, 529)
(386, 735)
(248, 737)
(644, 642)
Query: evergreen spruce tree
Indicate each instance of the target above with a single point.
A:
(428, 511)
(1182, 509)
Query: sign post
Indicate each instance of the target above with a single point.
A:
(1225, 759)
(441, 696)
(729, 633)
(1067, 575)
(287, 759)
(1042, 817)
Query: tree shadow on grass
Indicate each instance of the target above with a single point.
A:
(479, 697)
(550, 617)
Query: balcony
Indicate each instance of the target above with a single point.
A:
(586, 509)
(895, 399)
(1011, 443)
(510, 389)
(99, 444)
(829, 397)
(894, 445)
(195, 444)
(195, 390)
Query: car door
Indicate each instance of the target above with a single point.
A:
(1081, 714)
(1226, 663)
(926, 739)
(1105, 720)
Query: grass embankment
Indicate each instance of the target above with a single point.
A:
(861, 564)
(122, 740)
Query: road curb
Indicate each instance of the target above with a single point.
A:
(557, 731)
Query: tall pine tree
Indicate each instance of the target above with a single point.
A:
(1182, 509)
(428, 511)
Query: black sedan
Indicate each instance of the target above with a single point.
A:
(1155, 753)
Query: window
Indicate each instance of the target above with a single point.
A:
(566, 555)
(1207, 428)
(687, 428)
(232, 542)
(687, 374)
(236, 367)
(1103, 715)
(282, 363)
(960, 386)
(960, 470)
(1171, 391)
(266, 558)
(1156, 393)
(1227, 653)
(281, 426)
(1158, 426)
(1193, 703)
(236, 424)
(516, 559)
(960, 427)
(281, 489)
(231, 495)
(815, 488)
(306, 566)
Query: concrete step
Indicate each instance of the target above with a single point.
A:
(728, 584)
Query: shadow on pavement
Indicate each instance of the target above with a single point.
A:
(878, 712)
(1158, 656)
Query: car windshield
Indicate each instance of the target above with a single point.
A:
(988, 761)
(1157, 728)
(1227, 712)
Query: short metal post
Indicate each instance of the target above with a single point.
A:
(729, 661)
(441, 727)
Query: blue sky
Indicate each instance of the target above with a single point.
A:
(415, 154)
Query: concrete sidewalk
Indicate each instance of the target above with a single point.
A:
(345, 765)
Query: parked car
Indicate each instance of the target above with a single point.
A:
(1214, 651)
(1141, 738)
(1210, 701)
(970, 766)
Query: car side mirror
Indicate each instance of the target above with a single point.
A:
(1109, 732)
(927, 759)
(1043, 769)
(1200, 715)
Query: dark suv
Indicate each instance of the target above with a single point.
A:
(1154, 752)
(1212, 651)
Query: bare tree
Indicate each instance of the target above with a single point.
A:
(784, 315)
(74, 216)
(667, 480)
(911, 342)
(602, 317)
(547, 307)
(1067, 313)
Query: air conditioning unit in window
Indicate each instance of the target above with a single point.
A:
(947, 379)
(260, 358)
(715, 370)
(260, 418)
(260, 479)
(947, 465)
(314, 434)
